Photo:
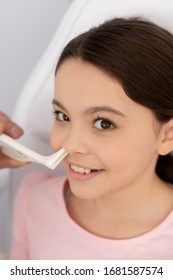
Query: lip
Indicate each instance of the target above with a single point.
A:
(82, 176)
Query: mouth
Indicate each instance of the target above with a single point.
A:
(83, 173)
(82, 170)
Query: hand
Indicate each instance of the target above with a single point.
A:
(10, 128)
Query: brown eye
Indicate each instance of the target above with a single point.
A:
(61, 117)
(103, 124)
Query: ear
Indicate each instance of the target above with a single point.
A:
(165, 145)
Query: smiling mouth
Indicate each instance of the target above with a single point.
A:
(82, 170)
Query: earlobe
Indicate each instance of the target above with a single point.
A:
(166, 139)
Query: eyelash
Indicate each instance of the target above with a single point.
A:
(56, 114)
(103, 119)
(99, 118)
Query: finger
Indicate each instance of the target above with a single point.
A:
(7, 162)
(13, 130)
(3, 114)
(8, 127)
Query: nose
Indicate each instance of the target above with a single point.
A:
(76, 141)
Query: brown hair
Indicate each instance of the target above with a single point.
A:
(139, 54)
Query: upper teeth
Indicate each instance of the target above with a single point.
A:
(80, 169)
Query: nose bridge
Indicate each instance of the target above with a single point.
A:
(75, 141)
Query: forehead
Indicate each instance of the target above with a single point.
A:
(76, 77)
(79, 72)
(80, 85)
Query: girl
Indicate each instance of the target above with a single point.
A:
(113, 109)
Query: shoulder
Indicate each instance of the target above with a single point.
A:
(37, 185)
(37, 178)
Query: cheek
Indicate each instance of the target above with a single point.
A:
(130, 156)
(115, 155)
(125, 155)
(118, 158)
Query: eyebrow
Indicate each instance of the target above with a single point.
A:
(92, 110)
(56, 102)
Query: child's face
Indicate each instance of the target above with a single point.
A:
(103, 130)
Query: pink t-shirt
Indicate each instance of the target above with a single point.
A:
(43, 229)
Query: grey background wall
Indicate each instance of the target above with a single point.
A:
(26, 28)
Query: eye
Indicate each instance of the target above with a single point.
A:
(103, 124)
(59, 116)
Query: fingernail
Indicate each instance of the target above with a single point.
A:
(16, 130)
